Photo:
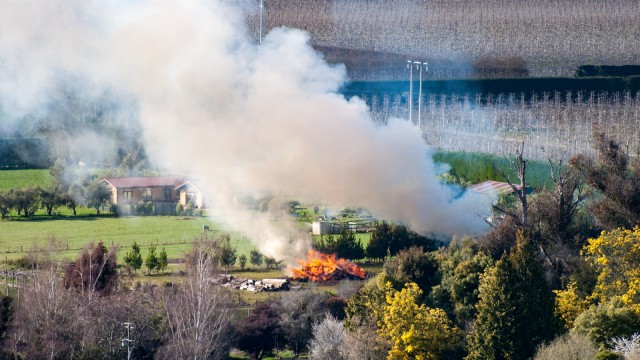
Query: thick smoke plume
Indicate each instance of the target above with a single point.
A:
(250, 121)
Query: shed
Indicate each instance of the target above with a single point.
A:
(321, 227)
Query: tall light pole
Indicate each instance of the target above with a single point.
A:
(127, 342)
(420, 65)
(410, 66)
(261, 18)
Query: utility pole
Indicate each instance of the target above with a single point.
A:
(410, 66)
(420, 65)
(261, 19)
(127, 342)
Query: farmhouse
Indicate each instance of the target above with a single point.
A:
(165, 192)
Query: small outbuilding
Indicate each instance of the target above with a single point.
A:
(321, 227)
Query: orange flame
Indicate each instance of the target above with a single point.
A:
(323, 267)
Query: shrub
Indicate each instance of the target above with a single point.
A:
(606, 321)
(140, 208)
(95, 270)
(149, 208)
(571, 346)
(190, 208)
(242, 260)
(271, 263)
(413, 265)
(256, 258)
(260, 332)
(606, 354)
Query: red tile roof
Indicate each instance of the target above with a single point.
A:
(145, 181)
(493, 187)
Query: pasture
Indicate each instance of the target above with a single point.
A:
(11, 179)
(170, 232)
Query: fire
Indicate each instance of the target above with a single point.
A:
(323, 267)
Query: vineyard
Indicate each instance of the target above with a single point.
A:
(545, 37)
(559, 125)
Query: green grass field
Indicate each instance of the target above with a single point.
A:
(476, 167)
(14, 179)
(18, 235)
(171, 232)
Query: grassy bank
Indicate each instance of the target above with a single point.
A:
(475, 167)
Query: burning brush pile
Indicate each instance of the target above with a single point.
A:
(325, 267)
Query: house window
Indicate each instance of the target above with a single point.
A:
(127, 195)
(146, 194)
(166, 193)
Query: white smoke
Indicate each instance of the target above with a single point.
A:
(251, 120)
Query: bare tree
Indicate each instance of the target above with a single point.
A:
(299, 312)
(629, 347)
(553, 217)
(519, 166)
(104, 325)
(52, 322)
(197, 311)
(617, 178)
(328, 337)
(46, 323)
(363, 343)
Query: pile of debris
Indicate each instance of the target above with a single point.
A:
(253, 285)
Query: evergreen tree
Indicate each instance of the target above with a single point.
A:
(133, 259)
(243, 261)
(378, 246)
(163, 261)
(151, 262)
(228, 253)
(461, 266)
(256, 258)
(515, 312)
(348, 247)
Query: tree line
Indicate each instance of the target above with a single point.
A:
(555, 277)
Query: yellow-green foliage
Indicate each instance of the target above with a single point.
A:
(569, 305)
(616, 256)
(367, 307)
(415, 331)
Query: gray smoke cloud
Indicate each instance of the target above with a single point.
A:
(250, 121)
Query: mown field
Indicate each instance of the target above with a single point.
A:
(170, 232)
(23, 178)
